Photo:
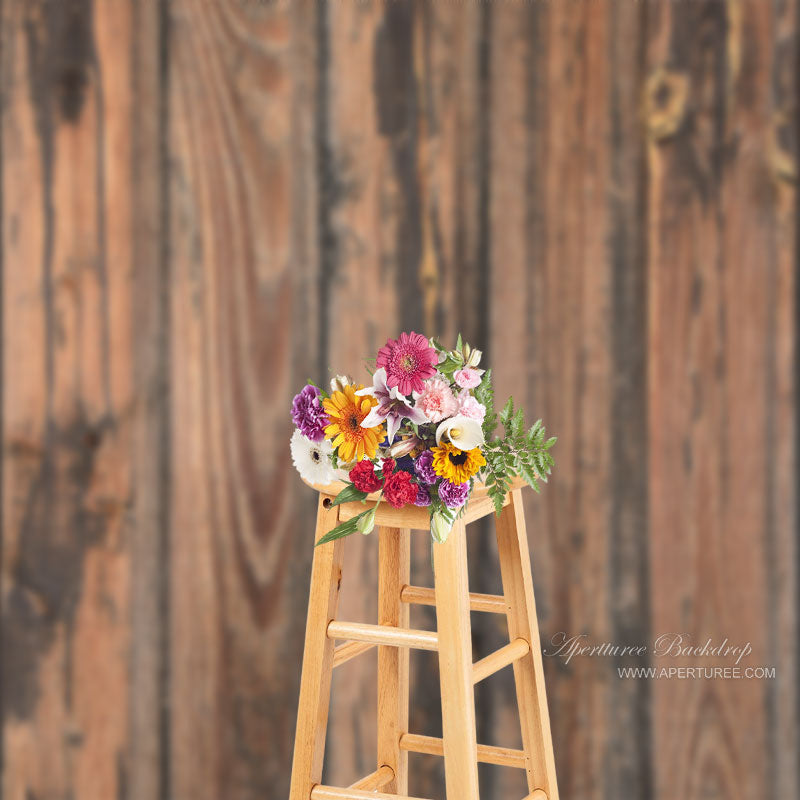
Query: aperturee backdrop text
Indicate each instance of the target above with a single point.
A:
(421, 434)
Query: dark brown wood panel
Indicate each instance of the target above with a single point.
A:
(362, 211)
(552, 328)
(206, 203)
(244, 322)
(717, 287)
(398, 151)
(71, 411)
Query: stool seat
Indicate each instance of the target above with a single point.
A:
(452, 641)
(413, 517)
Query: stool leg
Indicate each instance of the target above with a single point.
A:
(455, 666)
(394, 566)
(515, 567)
(315, 680)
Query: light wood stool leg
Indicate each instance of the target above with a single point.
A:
(315, 680)
(394, 572)
(455, 666)
(515, 567)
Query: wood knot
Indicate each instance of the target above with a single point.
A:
(781, 147)
(665, 102)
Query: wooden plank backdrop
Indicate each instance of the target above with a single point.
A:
(205, 203)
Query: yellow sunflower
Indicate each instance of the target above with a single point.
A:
(346, 412)
(457, 466)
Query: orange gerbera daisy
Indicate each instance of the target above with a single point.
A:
(346, 411)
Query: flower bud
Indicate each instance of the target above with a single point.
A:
(440, 528)
(339, 382)
(404, 447)
(474, 358)
(365, 523)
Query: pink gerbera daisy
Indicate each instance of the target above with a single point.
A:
(409, 360)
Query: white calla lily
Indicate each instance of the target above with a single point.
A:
(463, 432)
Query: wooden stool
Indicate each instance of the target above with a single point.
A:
(452, 640)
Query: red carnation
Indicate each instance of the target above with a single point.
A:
(364, 478)
(388, 467)
(399, 489)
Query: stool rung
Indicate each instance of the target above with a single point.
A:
(375, 780)
(492, 603)
(536, 794)
(506, 655)
(344, 652)
(320, 792)
(383, 634)
(487, 754)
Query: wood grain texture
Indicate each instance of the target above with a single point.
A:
(360, 215)
(551, 328)
(376, 780)
(71, 413)
(502, 657)
(487, 754)
(332, 793)
(206, 203)
(714, 205)
(394, 572)
(455, 665)
(317, 669)
(512, 546)
(243, 255)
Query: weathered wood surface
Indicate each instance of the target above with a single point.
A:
(80, 404)
(720, 371)
(205, 203)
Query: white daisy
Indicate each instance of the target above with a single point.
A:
(312, 459)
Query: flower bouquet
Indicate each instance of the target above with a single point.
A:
(423, 433)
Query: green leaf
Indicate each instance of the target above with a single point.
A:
(518, 423)
(343, 529)
(348, 495)
(507, 413)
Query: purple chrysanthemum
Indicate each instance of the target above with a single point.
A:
(423, 498)
(423, 466)
(308, 414)
(454, 495)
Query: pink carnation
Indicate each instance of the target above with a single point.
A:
(467, 378)
(469, 407)
(437, 400)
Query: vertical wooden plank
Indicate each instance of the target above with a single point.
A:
(781, 434)
(455, 665)
(69, 403)
(359, 214)
(394, 560)
(629, 767)
(398, 122)
(315, 683)
(552, 286)
(451, 58)
(244, 317)
(516, 79)
(512, 546)
(719, 336)
(147, 775)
